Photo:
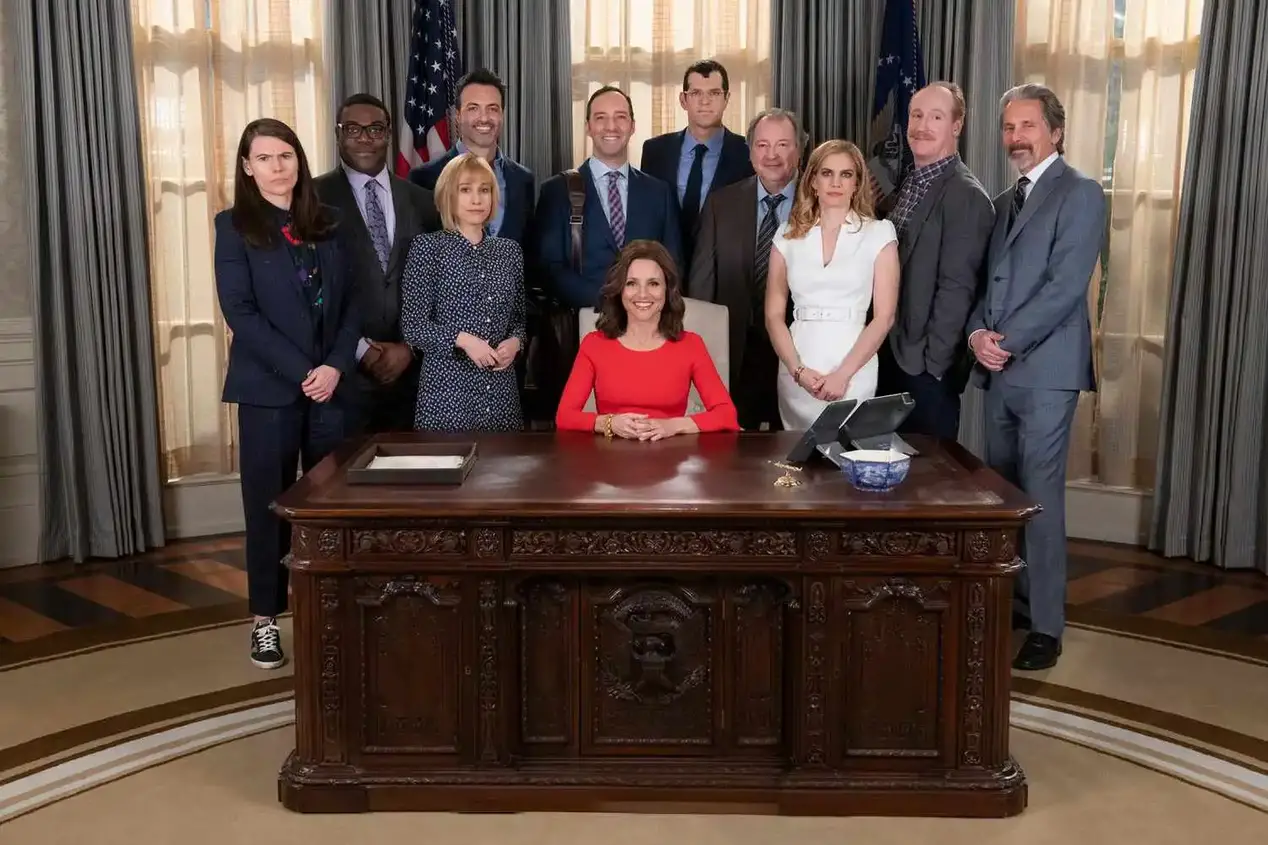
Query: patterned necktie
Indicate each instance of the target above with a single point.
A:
(691, 194)
(616, 212)
(1019, 199)
(765, 234)
(377, 223)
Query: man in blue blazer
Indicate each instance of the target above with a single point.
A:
(621, 204)
(480, 99)
(704, 156)
(1031, 337)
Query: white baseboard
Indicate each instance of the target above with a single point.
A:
(203, 507)
(1107, 514)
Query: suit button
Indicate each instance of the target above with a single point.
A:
(999, 279)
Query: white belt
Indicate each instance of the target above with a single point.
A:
(825, 315)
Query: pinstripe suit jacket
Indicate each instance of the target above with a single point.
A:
(1037, 276)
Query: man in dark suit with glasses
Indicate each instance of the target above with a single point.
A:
(380, 214)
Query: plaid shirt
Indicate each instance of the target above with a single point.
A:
(914, 188)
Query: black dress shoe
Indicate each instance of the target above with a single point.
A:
(1039, 651)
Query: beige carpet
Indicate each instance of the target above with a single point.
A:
(1141, 701)
(226, 795)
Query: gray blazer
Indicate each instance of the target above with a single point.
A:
(941, 250)
(1037, 278)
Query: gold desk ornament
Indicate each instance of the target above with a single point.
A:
(787, 479)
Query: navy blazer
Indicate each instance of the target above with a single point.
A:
(651, 214)
(521, 191)
(662, 154)
(265, 307)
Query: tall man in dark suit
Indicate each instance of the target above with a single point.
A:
(733, 253)
(621, 204)
(1032, 338)
(703, 157)
(380, 215)
(944, 220)
(480, 105)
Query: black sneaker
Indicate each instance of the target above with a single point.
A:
(266, 644)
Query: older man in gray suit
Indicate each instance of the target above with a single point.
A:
(944, 218)
(1032, 338)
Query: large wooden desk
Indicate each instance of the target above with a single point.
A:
(607, 625)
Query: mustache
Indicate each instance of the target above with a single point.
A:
(1017, 148)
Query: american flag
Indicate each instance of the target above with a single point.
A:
(429, 91)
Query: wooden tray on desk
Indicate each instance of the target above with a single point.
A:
(360, 472)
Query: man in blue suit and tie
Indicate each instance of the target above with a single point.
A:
(1032, 340)
(619, 204)
(703, 157)
(480, 106)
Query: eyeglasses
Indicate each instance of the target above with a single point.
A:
(698, 94)
(374, 131)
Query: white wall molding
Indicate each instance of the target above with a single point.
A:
(19, 464)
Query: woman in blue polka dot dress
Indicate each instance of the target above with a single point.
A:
(462, 309)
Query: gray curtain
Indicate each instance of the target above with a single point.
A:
(971, 43)
(824, 57)
(1211, 496)
(100, 489)
(367, 50)
(529, 46)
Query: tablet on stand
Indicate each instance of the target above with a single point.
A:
(848, 424)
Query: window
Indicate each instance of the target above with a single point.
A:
(204, 70)
(645, 46)
(1124, 72)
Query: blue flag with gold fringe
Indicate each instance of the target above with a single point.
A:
(900, 73)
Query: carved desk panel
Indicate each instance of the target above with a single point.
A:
(797, 650)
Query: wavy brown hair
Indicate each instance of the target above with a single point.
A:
(613, 320)
(805, 210)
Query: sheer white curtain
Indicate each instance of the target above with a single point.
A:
(644, 46)
(1124, 70)
(204, 70)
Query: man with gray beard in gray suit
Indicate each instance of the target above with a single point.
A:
(1032, 337)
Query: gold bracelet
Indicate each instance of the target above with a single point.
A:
(797, 374)
(607, 427)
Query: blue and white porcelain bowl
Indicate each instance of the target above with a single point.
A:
(875, 469)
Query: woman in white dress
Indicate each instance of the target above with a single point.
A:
(836, 260)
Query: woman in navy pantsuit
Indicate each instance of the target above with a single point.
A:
(280, 280)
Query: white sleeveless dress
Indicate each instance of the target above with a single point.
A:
(830, 305)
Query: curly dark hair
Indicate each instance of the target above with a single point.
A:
(612, 317)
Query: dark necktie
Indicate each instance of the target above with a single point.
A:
(616, 212)
(376, 222)
(691, 196)
(1019, 200)
(765, 234)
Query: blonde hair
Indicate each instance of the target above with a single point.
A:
(805, 210)
(451, 177)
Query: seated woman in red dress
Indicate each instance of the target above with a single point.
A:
(640, 362)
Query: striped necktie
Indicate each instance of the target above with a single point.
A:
(765, 234)
(616, 212)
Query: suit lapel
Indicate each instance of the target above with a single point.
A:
(597, 205)
(404, 223)
(358, 235)
(744, 223)
(1038, 194)
(921, 213)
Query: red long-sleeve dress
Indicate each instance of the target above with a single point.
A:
(655, 382)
